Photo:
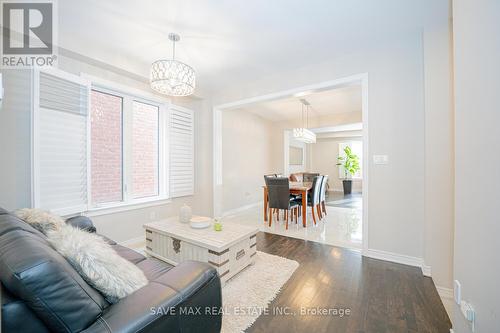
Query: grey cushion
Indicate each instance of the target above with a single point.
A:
(154, 268)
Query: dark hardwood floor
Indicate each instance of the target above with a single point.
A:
(381, 296)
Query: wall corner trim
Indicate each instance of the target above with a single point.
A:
(426, 270)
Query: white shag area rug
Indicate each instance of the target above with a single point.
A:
(246, 295)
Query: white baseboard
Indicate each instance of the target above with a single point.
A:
(242, 208)
(445, 293)
(398, 258)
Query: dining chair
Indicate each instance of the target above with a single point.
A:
(278, 193)
(322, 196)
(309, 177)
(313, 197)
(272, 175)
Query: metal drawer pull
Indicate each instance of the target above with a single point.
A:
(241, 253)
(176, 244)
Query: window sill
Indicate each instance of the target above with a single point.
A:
(121, 207)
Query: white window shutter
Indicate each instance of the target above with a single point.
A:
(181, 152)
(60, 142)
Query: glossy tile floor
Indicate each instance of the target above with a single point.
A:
(342, 226)
(338, 199)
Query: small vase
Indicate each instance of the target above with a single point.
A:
(185, 214)
(217, 225)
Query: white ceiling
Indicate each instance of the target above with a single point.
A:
(324, 103)
(230, 41)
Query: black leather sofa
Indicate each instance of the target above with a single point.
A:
(41, 292)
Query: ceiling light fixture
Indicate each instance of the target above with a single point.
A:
(172, 77)
(302, 133)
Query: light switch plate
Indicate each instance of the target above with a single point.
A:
(380, 159)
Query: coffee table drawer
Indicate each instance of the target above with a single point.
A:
(174, 249)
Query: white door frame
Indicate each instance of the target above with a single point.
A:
(326, 85)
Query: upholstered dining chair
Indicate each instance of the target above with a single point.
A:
(309, 177)
(313, 197)
(322, 195)
(278, 191)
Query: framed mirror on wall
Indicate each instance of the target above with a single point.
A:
(296, 155)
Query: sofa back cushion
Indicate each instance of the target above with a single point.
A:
(35, 273)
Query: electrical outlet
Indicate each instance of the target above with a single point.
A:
(152, 216)
(468, 312)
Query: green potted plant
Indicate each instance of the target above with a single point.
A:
(350, 163)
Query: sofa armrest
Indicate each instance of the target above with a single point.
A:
(82, 222)
(177, 301)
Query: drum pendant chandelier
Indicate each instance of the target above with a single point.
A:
(172, 77)
(303, 134)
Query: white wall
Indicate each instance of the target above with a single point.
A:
(249, 152)
(439, 152)
(396, 112)
(476, 25)
(324, 155)
(15, 156)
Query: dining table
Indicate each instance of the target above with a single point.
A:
(296, 188)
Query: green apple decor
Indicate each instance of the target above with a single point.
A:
(350, 163)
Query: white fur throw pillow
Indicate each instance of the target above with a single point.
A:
(40, 219)
(97, 262)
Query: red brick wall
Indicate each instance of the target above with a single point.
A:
(144, 150)
(106, 148)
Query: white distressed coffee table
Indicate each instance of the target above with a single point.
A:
(229, 250)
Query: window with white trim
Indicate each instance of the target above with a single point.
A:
(99, 146)
(128, 148)
(356, 148)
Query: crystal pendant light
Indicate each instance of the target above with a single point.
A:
(302, 133)
(172, 77)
